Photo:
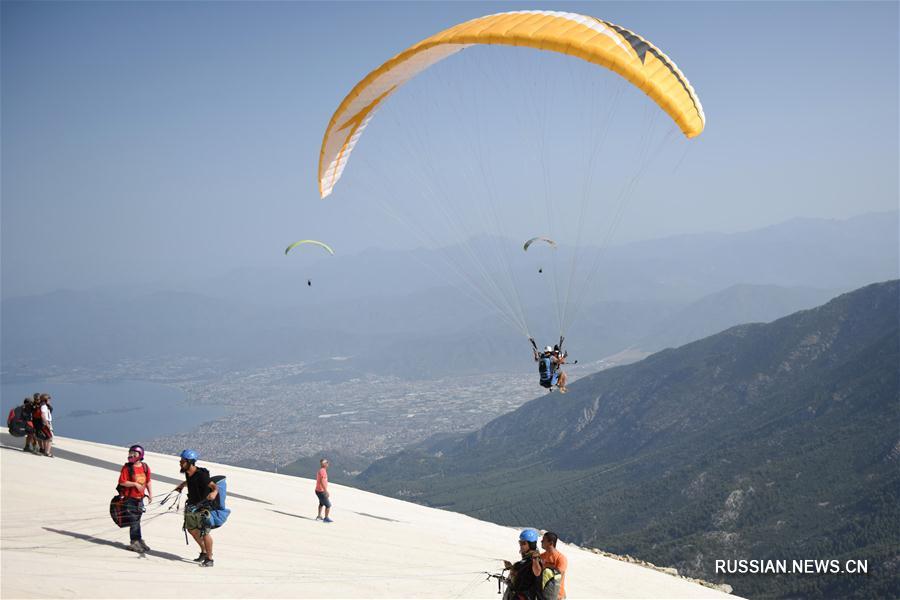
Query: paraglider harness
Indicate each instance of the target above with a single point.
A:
(546, 369)
(19, 422)
(212, 513)
(549, 584)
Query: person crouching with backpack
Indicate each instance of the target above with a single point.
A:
(134, 484)
(200, 491)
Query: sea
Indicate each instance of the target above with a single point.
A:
(121, 413)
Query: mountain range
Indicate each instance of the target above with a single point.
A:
(764, 441)
(650, 295)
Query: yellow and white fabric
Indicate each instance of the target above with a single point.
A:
(584, 37)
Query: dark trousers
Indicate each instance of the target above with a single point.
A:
(134, 510)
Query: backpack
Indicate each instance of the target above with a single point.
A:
(545, 587)
(545, 368)
(18, 423)
(219, 514)
(551, 580)
(117, 511)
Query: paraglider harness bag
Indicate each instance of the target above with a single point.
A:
(208, 514)
(545, 368)
(19, 422)
(546, 587)
(118, 506)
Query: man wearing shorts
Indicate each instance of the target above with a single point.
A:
(322, 491)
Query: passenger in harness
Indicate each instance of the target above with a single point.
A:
(549, 363)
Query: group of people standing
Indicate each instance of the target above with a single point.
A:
(33, 420)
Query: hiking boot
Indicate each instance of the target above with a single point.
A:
(327, 520)
(144, 545)
(136, 546)
(200, 558)
(208, 562)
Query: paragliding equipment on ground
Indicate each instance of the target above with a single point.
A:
(542, 120)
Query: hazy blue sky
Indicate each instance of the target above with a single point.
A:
(142, 141)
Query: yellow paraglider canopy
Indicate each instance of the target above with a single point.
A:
(584, 37)
(314, 242)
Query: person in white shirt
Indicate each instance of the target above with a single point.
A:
(47, 416)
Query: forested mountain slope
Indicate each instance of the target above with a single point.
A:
(774, 440)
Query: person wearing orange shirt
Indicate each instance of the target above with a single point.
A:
(134, 484)
(322, 491)
(551, 557)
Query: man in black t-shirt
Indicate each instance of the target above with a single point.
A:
(200, 490)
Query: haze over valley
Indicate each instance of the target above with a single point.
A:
(299, 375)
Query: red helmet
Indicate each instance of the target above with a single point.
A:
(138, 450)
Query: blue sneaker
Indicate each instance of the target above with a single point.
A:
(327, 520)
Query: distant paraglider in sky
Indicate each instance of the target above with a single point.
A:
(314, 242)
(322, 245)
(546, 240)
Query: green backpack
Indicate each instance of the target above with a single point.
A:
(551, 580)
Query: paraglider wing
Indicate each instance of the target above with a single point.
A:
(549, 242)
(584, 37)
(314, 242)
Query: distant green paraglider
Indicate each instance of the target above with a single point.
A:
(314, 242)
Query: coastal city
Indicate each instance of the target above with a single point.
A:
(273, 418)
(277, 414)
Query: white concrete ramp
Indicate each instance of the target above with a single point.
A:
(57, 541)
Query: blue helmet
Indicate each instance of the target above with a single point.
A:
(190, 455)
(529, 535)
